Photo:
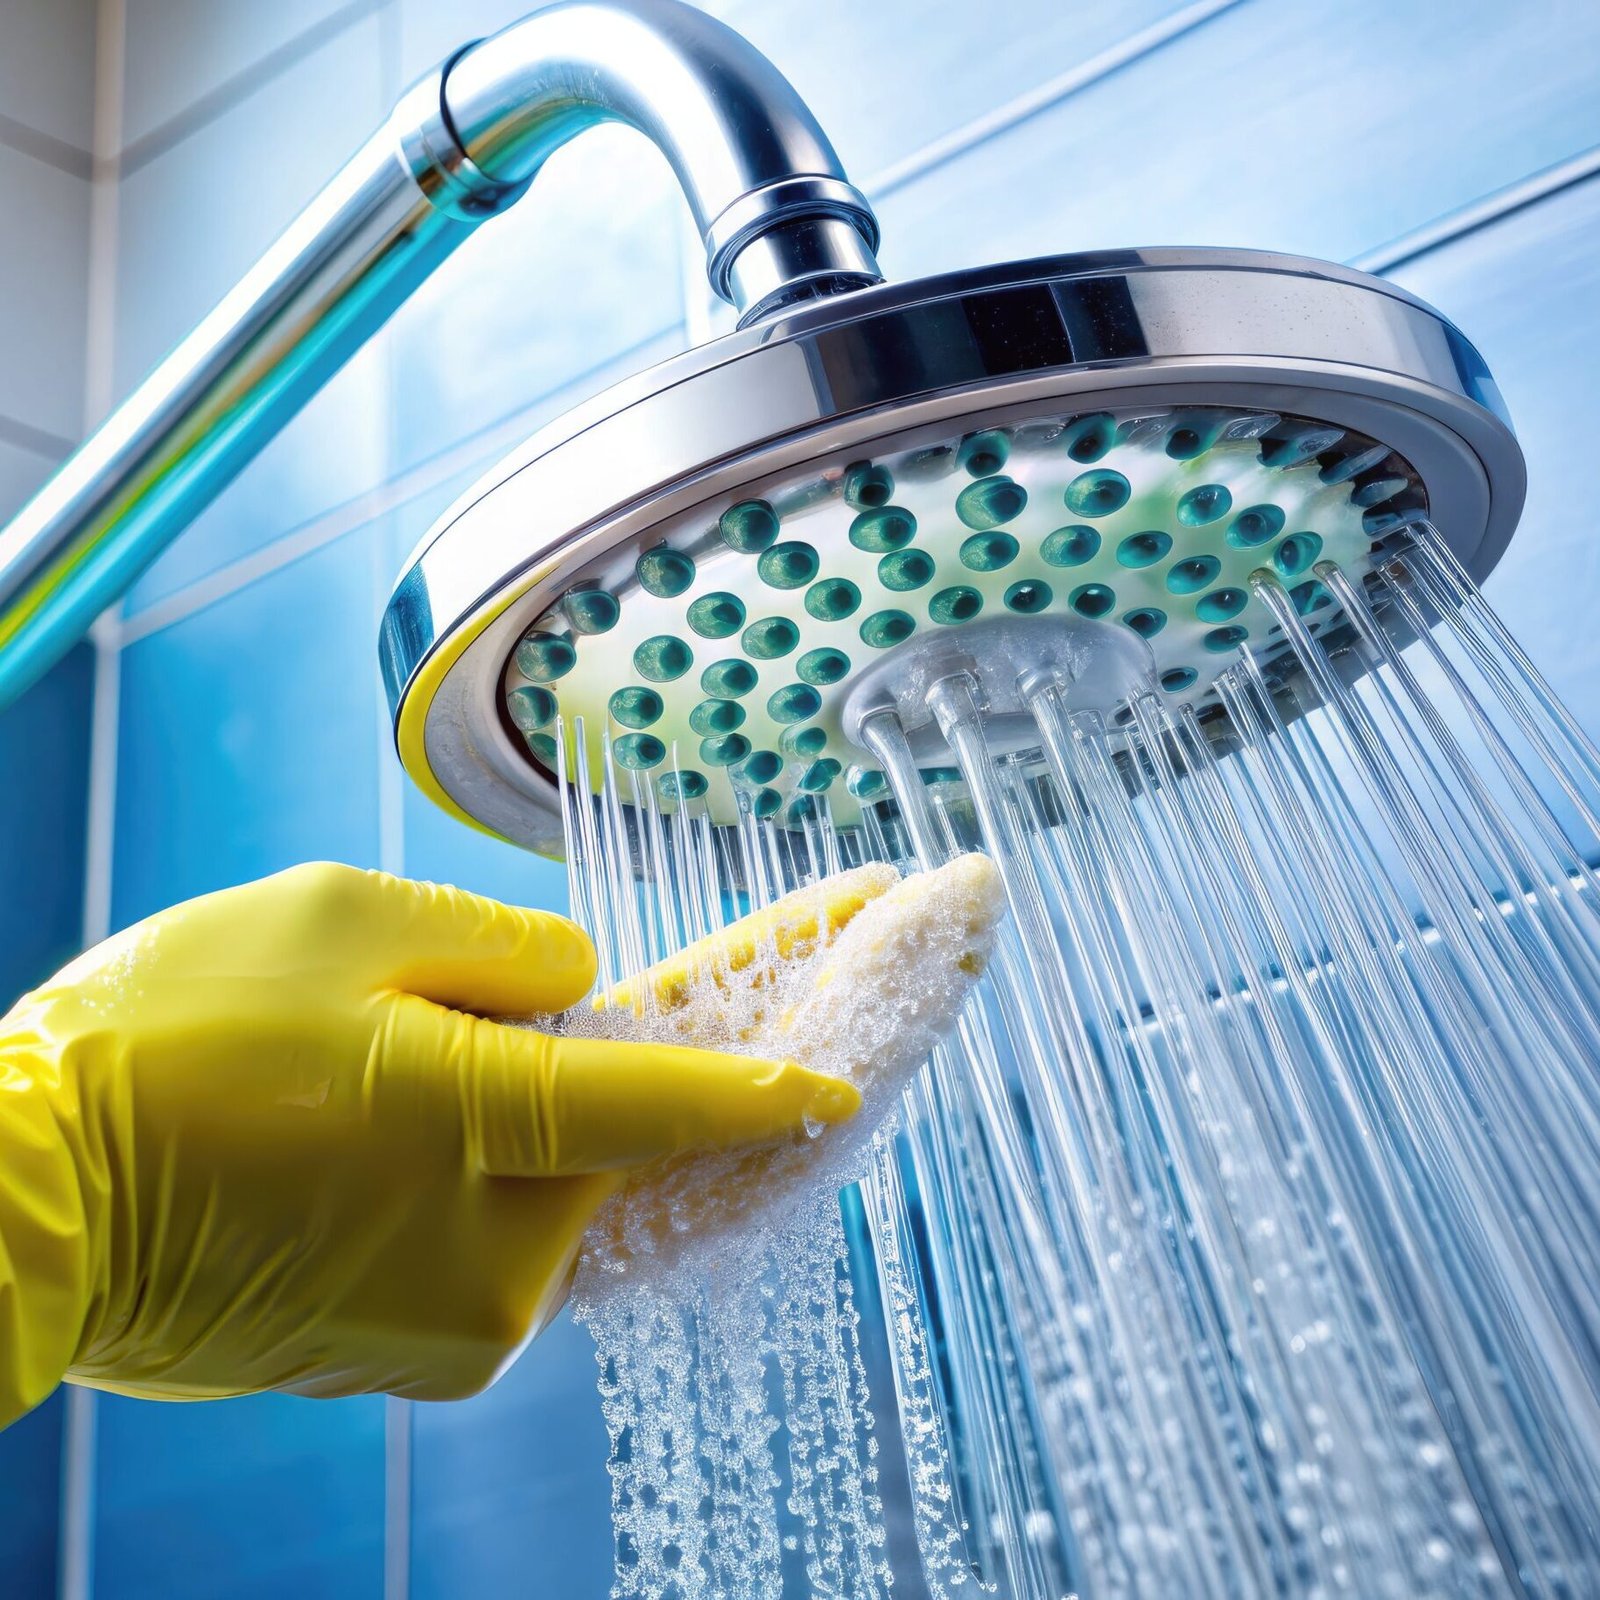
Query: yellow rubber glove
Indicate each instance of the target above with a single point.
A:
(266, 1140)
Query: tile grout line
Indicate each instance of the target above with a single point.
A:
(36, 441)
(75, 1550)
(216, 102)
(948, 146)
(1482, 213)
(45, 148)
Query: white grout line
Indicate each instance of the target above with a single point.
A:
(100, 830)
(1481, 213)
(1029, 104)
(75, 1534)
(397, 1435)
(75, 1559)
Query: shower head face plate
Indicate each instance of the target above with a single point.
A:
(718, 655)
(702, 564)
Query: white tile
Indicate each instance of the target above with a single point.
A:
(44, 287)
(47, 67)
(21, 473)
(179, 51)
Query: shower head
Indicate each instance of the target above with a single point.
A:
(1073, 465)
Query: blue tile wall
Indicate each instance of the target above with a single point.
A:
(586, 266)
(255, 1499)
(44, 760)
(44, 778)
(30, 1492)
(509, 1491)
(1528, 289)
(250, 733)
(887, 80)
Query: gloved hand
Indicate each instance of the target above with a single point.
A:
(266, 1140)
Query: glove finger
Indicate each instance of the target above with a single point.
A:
(788, 930)
(537, 1106)
(474, 954)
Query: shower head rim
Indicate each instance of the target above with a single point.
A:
(845, 310)
(754, 402)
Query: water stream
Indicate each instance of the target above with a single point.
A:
(1243, 1239)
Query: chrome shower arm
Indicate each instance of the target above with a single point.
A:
(762, 181)
(779, 220)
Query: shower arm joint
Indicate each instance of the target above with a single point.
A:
(779, 220)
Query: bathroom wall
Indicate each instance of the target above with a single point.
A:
(237, 720)
(46, 136)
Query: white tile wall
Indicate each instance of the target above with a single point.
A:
(21, 472)
(47, 67)
(179, 52)
(44, 286)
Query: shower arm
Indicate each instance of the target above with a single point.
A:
(779, 221)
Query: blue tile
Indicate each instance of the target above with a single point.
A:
(885, 79)
(249, 734)
(30, 1500)
(444, 850)
(510, 1494)
(1318, 128)
(44, 755)
(255, 1499)
(585, 267)
(44, 287)
(47, 68)
(192, 221)
(179, 52)
(1527, 292)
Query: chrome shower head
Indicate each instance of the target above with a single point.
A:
(722, 566)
